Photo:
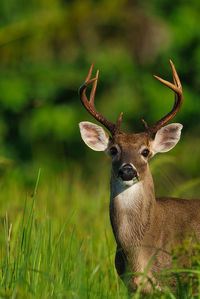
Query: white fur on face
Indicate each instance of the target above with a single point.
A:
(166, 138)
(94, 136)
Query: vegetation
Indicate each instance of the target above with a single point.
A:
(57, 242)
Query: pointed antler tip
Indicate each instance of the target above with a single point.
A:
(171, 62)
(120, 118)
(92, 66)
(118, 123)
(97, 74)
(145, 124)
(156, 77)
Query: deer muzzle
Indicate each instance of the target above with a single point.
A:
(127, 172)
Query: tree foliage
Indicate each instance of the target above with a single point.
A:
(46, 48)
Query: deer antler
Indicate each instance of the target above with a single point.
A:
(177, 88)
(90, 107)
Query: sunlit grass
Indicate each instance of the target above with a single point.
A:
(56, 240)
(54, 256)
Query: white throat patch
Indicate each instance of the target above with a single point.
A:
(127, 193)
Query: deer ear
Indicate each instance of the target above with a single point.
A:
(94, 136)
(166, 138)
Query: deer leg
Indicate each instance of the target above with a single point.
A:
(120, 262)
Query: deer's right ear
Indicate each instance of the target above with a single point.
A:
(94, 136)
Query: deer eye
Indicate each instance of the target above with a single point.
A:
(145, 152)
(113, 151)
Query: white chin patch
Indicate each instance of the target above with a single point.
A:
(128, 183)
(131, 183)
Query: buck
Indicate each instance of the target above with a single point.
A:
(144, 226)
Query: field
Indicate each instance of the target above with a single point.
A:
(57, 240)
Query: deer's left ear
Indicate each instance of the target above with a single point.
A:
(166, 138)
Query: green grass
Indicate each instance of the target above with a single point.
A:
(55, 256)
(56, 241)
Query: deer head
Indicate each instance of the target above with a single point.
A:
(130, 152)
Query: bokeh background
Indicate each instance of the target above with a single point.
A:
(46, 49)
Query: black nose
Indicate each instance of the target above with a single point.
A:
(127, 172)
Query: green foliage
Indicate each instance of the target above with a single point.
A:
(46, 48)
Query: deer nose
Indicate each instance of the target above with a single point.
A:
(127, 172)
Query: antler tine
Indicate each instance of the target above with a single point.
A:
(177, 88)
(175, 75)
(168, 84)
(175, 79)
(89, 73)
(118, 123)
(89, 105)
(93, 91)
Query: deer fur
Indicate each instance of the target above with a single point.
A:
(146, 228)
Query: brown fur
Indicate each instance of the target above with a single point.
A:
(145, 226)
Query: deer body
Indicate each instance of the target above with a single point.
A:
(145, 228)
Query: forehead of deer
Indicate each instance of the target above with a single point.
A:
(124, 139)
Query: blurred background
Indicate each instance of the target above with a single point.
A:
(46, 49)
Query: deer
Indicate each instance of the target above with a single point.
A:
(145, 227)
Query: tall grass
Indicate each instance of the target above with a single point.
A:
(59, 243)
(45, 257)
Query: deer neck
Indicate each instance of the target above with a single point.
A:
(131, 209)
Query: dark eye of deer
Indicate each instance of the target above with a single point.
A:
(113, 151)
(145, 153)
